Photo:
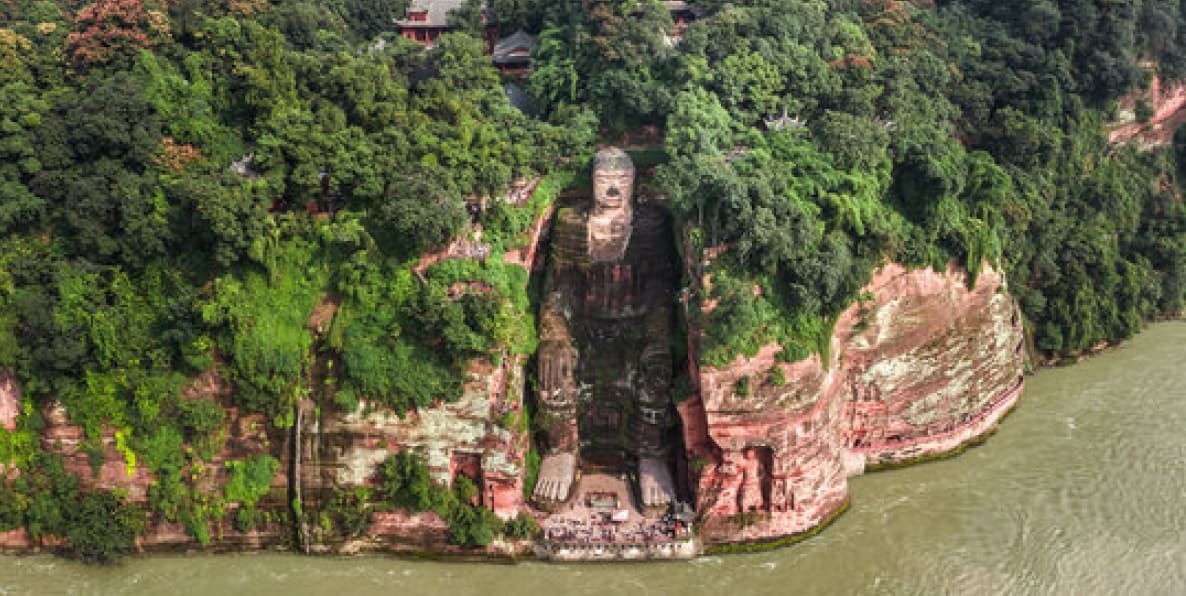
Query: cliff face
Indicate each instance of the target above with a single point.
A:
(479, 436)
(465, 437)
(242, 436)
(922, 367)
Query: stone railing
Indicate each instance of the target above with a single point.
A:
(617, 551)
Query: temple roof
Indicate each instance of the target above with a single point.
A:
(514, 47)
(438, 12)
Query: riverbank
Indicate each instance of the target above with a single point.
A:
(1078, 493)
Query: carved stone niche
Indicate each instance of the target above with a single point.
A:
(609, 224)
(754, 490)
(470, 466)
(782, 495)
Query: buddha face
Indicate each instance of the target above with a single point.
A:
(612, 189)
(613, 179)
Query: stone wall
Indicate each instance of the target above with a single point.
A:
(919, 369)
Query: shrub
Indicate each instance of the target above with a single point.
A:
(250, 479)
(522, 526)
(1143, 111)
(101, 527)
(741, 388)
(201, 416)
(349, 511)
(777, 377)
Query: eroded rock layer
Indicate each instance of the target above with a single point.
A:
(920, 368)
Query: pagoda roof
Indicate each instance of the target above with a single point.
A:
(505, 48)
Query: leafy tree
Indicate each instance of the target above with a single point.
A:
(404, 482)
(608, 54)
(109, 29)
(20, 113)
(102, 528)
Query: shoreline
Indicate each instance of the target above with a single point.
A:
(997, 412)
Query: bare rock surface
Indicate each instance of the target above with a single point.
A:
(922, 367)
(1168, 102)
(10, 401)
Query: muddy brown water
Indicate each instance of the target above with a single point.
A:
(1082, 491)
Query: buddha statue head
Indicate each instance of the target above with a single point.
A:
(613, 180)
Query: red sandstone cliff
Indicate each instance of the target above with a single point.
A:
(469, 437)
(243, 436)
(924, 367)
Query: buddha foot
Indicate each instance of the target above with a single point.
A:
(654, 482)
(555, 477)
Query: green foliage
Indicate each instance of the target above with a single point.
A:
(1143, 110)
(250, 479)
(404, 482)
(350, 511)
(18, 447)
(741, 388)
(531, 463)
(607, 54)
(264, 317)
(99, 526)
(506, 226)
(20, 114)
(102, 528)
(201, 417)
(522, 526)
(12, 509)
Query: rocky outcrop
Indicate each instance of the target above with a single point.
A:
(10, 401)
(477, 436)
(463, 437)
(99, 463)
(921, 367)
(1167, 105)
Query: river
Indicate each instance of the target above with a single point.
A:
(1080, 492)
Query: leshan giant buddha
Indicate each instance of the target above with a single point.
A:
(604, 362)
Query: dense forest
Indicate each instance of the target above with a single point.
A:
(183, 183)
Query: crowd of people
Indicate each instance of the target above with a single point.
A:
(600, 528)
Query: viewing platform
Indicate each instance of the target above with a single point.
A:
(602, 522)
